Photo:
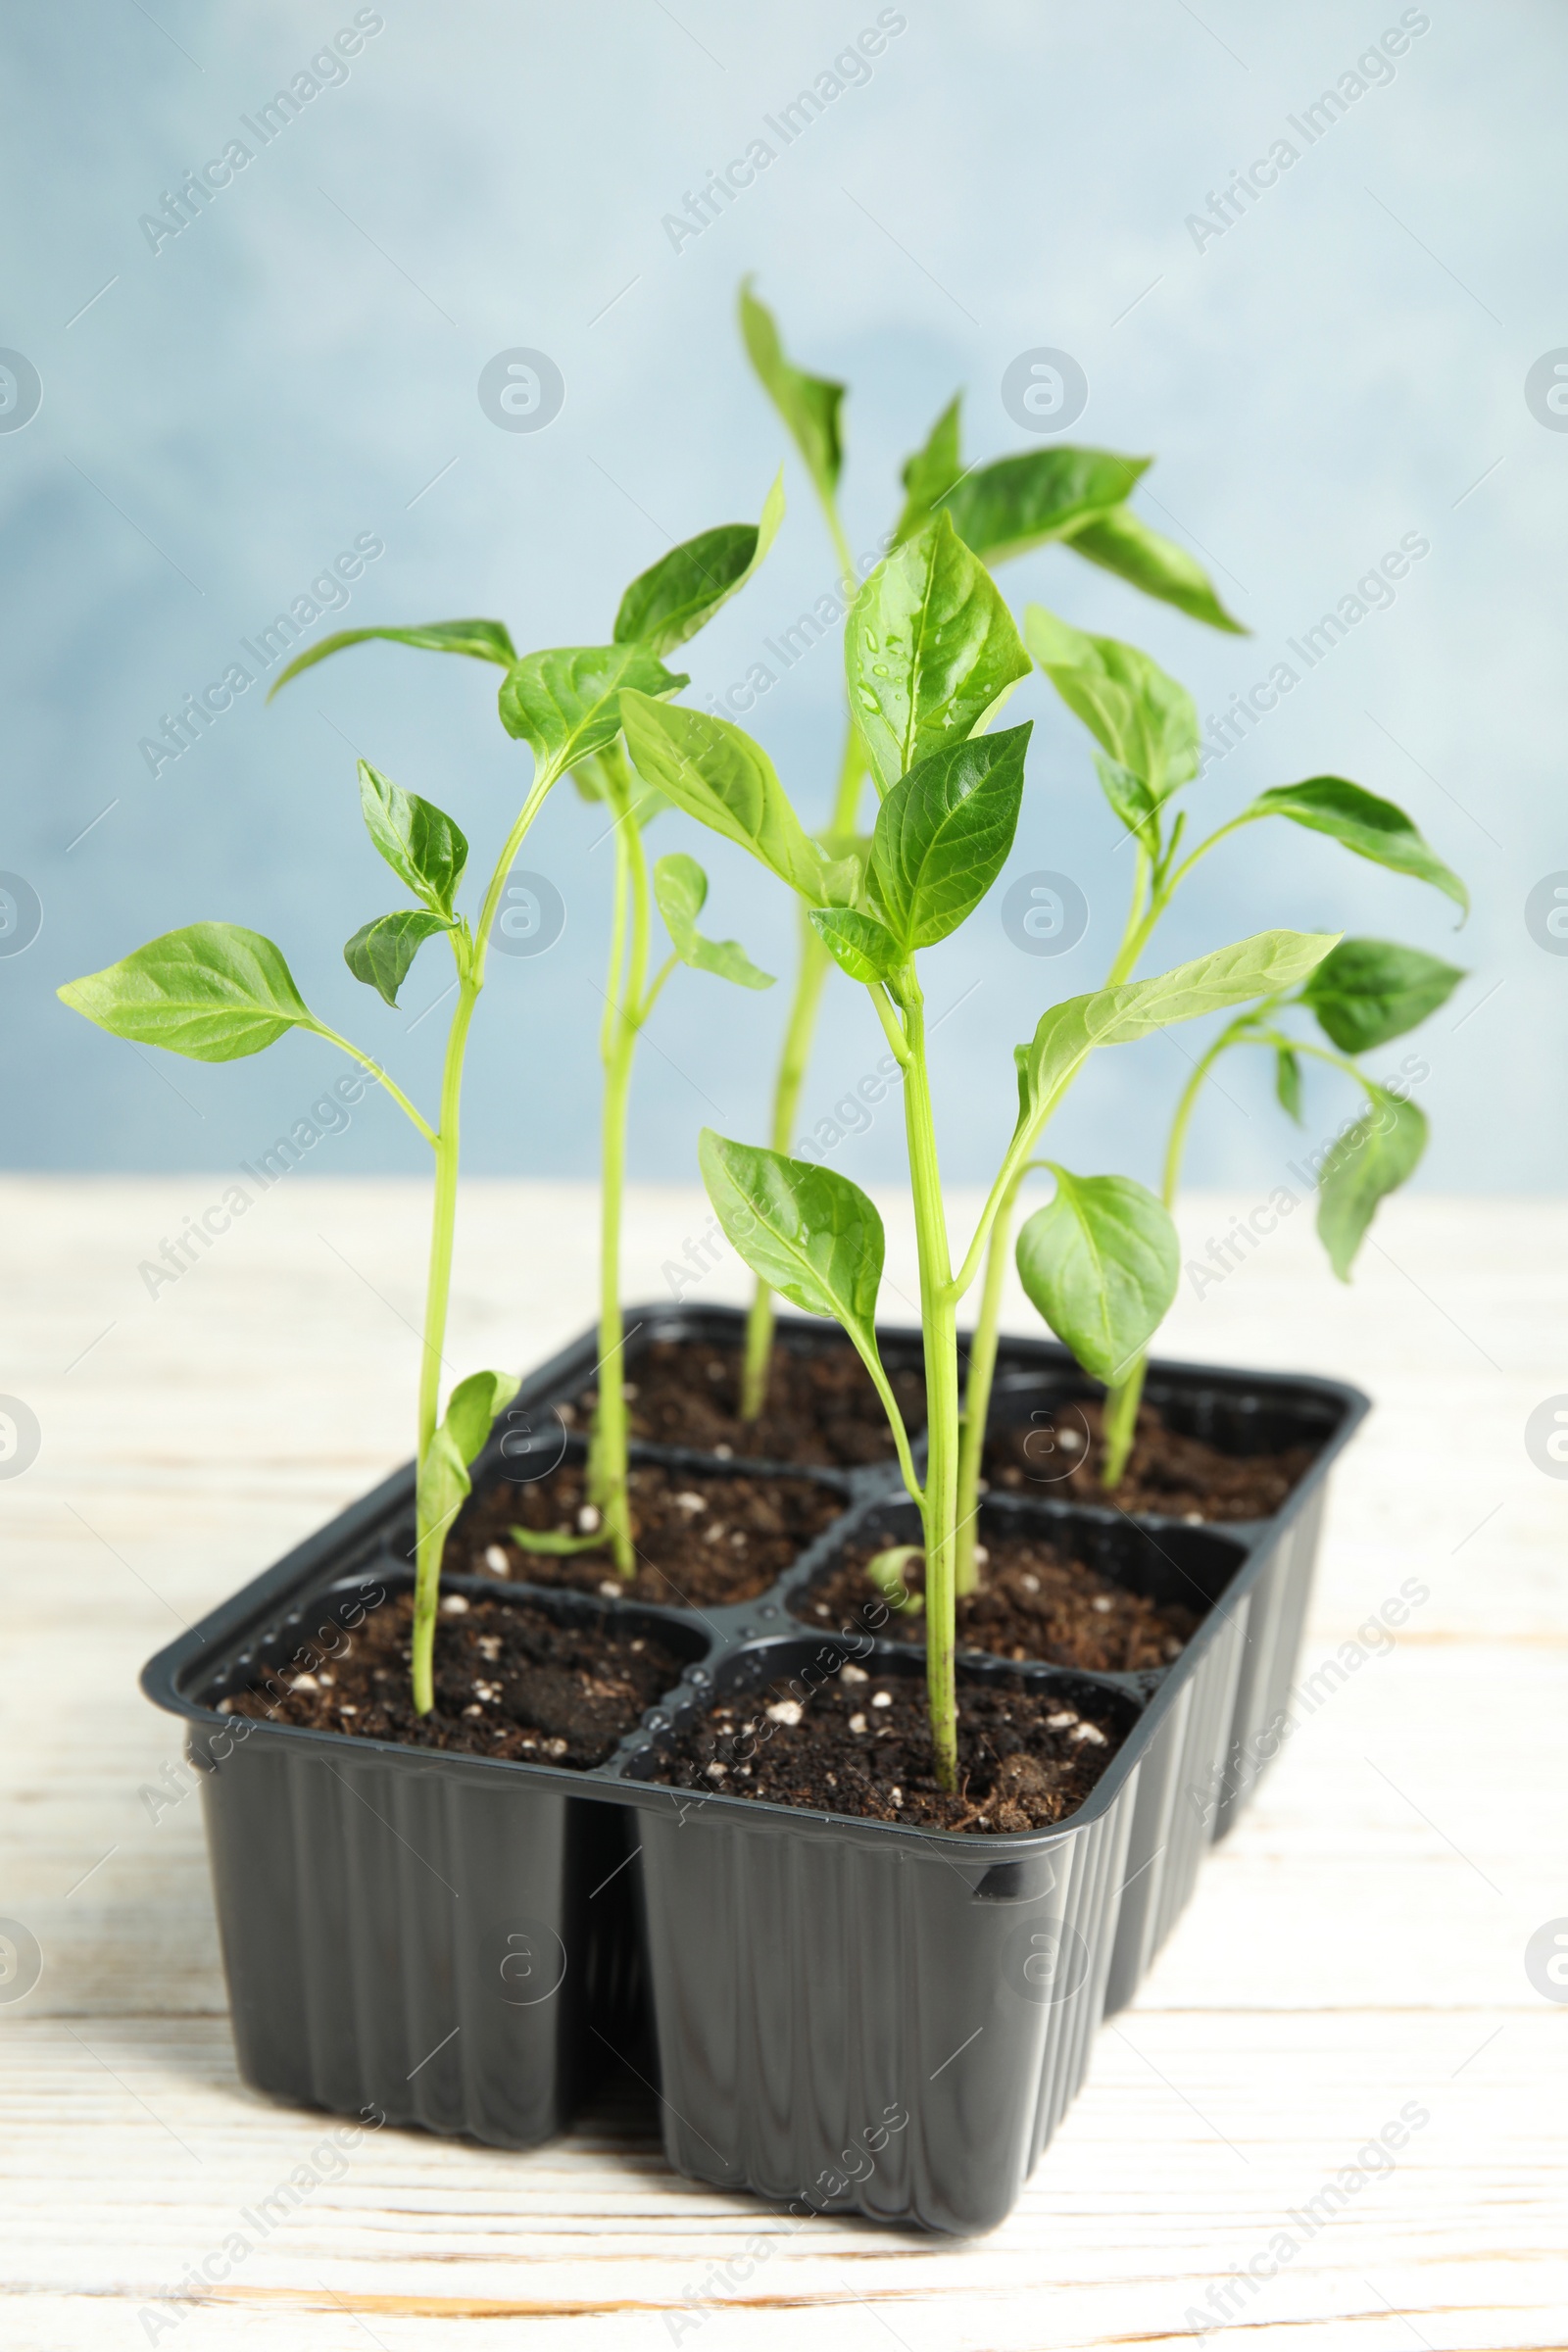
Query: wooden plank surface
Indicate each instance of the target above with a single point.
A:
(1357, 1945)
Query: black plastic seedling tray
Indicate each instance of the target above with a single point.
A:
(854, 2014)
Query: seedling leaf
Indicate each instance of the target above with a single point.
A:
(1004, 509)
(1140, 715)
(444, 1482)
(681, 888)
(1362, 1168)
(567, 703)
(1130, 798)
(1370, 827)
(1102, 1262)
(1123, 543)
(857, 943)
(421, 843)
(212, 991)
(1260, 966)
(885, 1570)
(381, 954)
(680, 594)
(1369, 990)
(943, 836)
(809, 403)
(811, 1233)
(931, 472)
(930, 651)
(714, 773)
(484, 640)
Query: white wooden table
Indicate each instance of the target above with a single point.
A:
(1356, 1946)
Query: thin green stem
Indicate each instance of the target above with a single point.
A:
(978, 1379)
(431, 1536)
(939, 1324)
(655, 988)
(1132, 930)
(1247, 818)
(615, 974)
(1170, 1180)
(1334, 1061)
(1119, 1422)
(886, 1015)
(320, 1029)
(609, 1464)
(538, 793)
(852, 774)
(994, 1233)
(1014, 1163)
(469, 953)
(847, 578)
(810, 972)
(629, 975)
(901, 1436)
(1124, 1396)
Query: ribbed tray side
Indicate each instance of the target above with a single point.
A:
(403, 1938)
(1195, 1780)
(1281, 1595)
(1085, 1900)
(860, 2029)
(1178, 1786)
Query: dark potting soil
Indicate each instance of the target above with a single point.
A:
(858, 1743)
(700, 1542)
(509, 1682)
(1035, 1602)
(1059, 1453)
(821, 1409)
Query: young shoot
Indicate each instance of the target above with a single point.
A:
(886, 1571)
(664, 608)
(1076, 497)
(1100, 1260)
(215, 992)
(1364, 994)
(679, 889)
(951, 798)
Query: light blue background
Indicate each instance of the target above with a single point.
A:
(1344, 366)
